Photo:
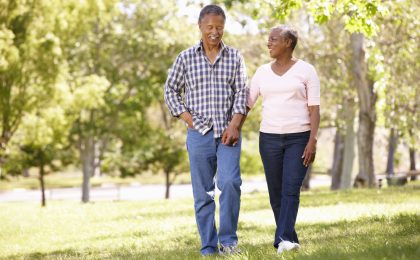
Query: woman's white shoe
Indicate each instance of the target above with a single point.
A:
(287, 246)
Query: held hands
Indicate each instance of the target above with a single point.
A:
(231, 135)
(187, 118)
(309, 153)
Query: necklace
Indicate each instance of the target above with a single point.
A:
(283, 65)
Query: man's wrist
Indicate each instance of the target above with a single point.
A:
(236, 121)
(235, 125)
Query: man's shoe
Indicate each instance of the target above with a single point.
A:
(229, 250)
(287, 246)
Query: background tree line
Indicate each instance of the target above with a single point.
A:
(82, 81)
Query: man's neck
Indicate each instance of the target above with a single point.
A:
(211, 51)
(212, 48)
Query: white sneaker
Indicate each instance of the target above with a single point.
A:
(287, 246)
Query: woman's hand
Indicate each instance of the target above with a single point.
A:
(309, 153)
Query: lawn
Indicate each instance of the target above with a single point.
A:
(74, 179)
(356, 224)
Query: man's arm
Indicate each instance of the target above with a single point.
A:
(231, 134)
(173, 87)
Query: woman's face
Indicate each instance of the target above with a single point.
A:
(277, 44)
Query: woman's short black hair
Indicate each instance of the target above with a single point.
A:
(211, 9)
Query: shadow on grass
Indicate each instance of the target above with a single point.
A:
(396, 237)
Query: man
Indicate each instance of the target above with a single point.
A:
(206, 88)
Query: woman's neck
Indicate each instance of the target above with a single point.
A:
(285, 59)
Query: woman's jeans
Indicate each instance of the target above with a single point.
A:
(281, 155)
(208, 155)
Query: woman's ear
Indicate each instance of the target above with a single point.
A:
(288, 43)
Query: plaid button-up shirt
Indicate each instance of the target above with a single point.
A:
(212, 93)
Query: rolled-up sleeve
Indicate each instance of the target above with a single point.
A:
(174, 86)
(239, 87)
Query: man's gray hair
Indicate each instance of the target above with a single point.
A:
(211, 9)
(289, 32)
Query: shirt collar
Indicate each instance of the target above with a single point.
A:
(199, 46)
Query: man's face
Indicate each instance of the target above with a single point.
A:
(211, 27)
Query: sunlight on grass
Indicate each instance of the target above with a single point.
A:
(360, 224)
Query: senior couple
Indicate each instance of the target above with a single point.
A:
(207, 89)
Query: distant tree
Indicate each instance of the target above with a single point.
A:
(41, 141)
(30, 61)
(358, 19)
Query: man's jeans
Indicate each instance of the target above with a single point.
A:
(284, 171)
(207, 155)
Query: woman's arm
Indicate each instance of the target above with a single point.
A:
(310, 149)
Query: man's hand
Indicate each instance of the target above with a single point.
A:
(187, 118)
(309, 153)
(230, 136)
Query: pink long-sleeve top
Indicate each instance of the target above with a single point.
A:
(285, 98)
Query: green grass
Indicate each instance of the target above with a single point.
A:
(69, 180)
(356, 224)
(74, 179)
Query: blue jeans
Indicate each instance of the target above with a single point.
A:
(207, 156)
(281, 155)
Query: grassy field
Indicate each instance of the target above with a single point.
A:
(74, 179)
(357, 224)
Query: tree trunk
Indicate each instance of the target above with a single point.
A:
(392, 145)
(413, 162)
(337, 166)
(367, 115)
(25, 173)
(348, 153)
(306, 181)
(41, 180)
(97, 160)
(168, 184)
(87, 153)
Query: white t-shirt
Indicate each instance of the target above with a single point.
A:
(285, 98)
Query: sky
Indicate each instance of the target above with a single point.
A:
(232, 26)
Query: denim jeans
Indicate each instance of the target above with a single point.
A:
(207, 156)
(281, 155)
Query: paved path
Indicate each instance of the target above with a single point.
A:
(134, 192)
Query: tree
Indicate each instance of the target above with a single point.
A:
(122, 45)
(398, 45)
(41, 139)
(358, 17)
(30, 58)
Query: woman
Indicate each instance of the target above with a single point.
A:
(290, 119)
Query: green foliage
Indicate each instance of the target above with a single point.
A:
(30, 57)
(398, 44)
(358, 15)
(98, 68)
